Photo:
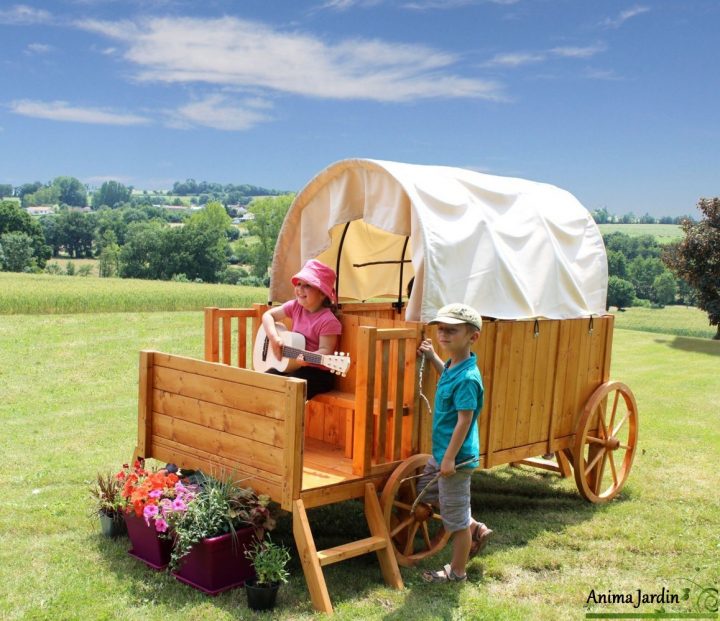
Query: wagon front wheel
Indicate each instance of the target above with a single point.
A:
(605, 442)
(416, 533)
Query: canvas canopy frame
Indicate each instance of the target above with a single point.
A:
(511, 248)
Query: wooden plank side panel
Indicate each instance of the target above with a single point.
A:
(193, 458)
(235, 448)
(512, 368)
(545, 369)
(239, 396)
(365, 395)
(527, 372)
(567, 413)
(503, 338)
(557, 391)
(485, 351)
(221, 418)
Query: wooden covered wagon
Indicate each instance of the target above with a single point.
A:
(527, 255)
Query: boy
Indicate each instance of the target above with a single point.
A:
(458, 400)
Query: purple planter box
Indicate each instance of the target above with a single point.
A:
(146, 543)
(217, 564)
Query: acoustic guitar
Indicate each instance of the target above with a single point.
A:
(294, 347)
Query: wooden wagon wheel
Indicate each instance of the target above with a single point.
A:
(605, 442)
(415, 534)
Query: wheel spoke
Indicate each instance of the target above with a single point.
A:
(614, 410)
(402, 525)
(612, 468)
(599, 473)
(603, 424)
(411, 538)
(426, 535)
(600, 453)
(593, 440)
(624, 446)
(402, 505)
(620, 424)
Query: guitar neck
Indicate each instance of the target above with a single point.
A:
(292, 352)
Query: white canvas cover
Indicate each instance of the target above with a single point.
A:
(511, 248)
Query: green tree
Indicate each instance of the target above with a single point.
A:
(70, 191)
(617, 264)
(14, 219)
(17, 250)
(112, 194)
(621, 293)
(642, 274)
(664, 289)
(5, 190)
(46, 195)
(75, 232)
(142, 255)
(696, 259)
(269, 214)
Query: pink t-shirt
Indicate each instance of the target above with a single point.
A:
(312, 325)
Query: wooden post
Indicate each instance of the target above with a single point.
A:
(309, 559)
(211, 335)
(145, 390)
(386, 555)
(293, 452)
(365, 395)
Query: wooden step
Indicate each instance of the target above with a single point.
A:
(349, 550)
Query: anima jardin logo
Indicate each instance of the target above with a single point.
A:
(693, 601)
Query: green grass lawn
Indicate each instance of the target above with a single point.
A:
(664, 233)
(44, 293)
(69, 409)
(677, 320)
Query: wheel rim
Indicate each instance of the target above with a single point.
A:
(415, 534)
(605, 442)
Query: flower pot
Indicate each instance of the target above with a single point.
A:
(147, 545)
(261, 597)
(112, 524)
(217, 564)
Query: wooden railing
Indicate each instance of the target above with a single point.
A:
(386, 425)
(221, 334)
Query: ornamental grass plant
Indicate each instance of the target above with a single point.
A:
(220, 506)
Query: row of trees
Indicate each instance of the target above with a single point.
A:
(139, 242)
(71, 191)
(603, 216)
(641, 271)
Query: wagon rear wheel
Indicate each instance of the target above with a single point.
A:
(605, 442)
(416, 534)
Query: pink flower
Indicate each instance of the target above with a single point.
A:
(179, 505)
(150, 512)
(161, 525)
(156, 493)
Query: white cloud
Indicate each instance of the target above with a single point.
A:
(22, 14)
(250, 55)
(578, 52)
(518, 59)
(38, 48)
(624, 16)
(515, 59)
(218, 112)
(62, 111)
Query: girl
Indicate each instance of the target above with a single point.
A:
(312, 316)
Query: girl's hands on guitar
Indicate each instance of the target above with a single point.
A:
(276, 343)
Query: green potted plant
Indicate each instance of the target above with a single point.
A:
(219, 522)
(105, 491)
(269, 560)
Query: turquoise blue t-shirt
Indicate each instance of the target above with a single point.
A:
(460, 388)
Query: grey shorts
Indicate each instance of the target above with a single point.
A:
(451, 493)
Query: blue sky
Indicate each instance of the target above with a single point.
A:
(614, 101)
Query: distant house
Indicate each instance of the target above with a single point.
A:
(247, 217)
(41, 210)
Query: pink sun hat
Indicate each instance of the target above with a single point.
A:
(319, 276)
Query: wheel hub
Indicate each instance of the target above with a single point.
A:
(423, 512)
(613, 443)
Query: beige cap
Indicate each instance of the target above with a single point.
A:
(458, 313)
